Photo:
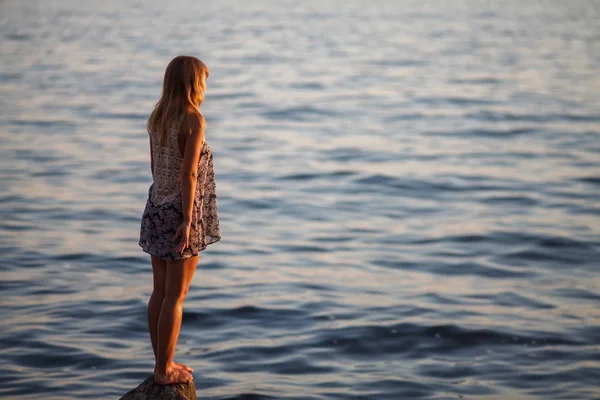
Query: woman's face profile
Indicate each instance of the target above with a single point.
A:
(203, 83)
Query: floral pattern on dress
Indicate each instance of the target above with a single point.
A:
(160, 221)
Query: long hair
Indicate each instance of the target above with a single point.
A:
(181, 92)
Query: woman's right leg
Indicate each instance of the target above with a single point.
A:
(179, 276)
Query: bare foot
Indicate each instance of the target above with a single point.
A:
(182, 366)
(176, 375)
(179, 366)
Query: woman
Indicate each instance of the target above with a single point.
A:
(181, 216)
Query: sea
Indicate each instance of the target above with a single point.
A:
(408, 193)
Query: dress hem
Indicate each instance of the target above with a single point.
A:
(145, 249)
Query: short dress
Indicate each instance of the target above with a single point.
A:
(163, 212)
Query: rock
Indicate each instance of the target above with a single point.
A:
(148, 390)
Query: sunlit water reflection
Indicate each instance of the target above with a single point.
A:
(408, 194)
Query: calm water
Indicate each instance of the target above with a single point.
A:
(409, 194)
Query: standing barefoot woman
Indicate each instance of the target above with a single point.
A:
(181, 216)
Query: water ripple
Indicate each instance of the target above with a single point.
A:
(408, 195)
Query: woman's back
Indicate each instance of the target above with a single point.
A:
(167, 160)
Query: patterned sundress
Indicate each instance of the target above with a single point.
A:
(163, 213)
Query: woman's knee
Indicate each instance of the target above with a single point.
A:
(178, 293)
(159, 293)
(179, 277)
(175, 298)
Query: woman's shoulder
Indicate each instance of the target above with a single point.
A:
(192, 122)
(194, 117)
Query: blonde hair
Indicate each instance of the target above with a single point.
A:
(181, 92)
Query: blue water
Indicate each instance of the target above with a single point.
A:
(409, 194)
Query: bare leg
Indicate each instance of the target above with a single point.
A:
(159, 270)
(178, 277)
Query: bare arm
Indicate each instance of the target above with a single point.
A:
(189, 169)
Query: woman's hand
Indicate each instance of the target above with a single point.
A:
(182, 236)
